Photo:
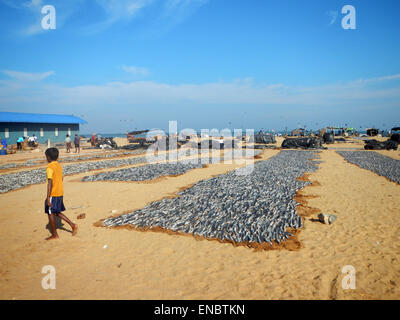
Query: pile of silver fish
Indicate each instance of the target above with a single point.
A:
(37, 162)
(28, 163)
(146, 172)
(253, 207)
(100, 156)
(375, 162)
(154, 171)
(21, 179)
(16, 180)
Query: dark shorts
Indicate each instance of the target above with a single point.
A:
(57, 205)
(76, 145)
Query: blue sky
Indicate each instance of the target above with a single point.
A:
(132, 64)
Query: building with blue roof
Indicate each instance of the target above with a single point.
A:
(45, 126)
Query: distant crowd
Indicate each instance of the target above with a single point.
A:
(77, 142)
(32, 141)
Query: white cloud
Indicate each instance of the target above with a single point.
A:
(135, 70)
(25, 76)
(22, 4)
(177, 11)
(34, 4)
(380, 79)
(33, 29)
(122, 9)
(166, 14)
(127, 9)
(237, 92)
(115, 11)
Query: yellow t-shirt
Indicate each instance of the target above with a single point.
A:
(55, 173)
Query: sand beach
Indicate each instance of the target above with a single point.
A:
(102, 263)
(246, 153)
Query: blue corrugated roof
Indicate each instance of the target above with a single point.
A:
(39, 118)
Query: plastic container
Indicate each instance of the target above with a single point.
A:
(3, 152)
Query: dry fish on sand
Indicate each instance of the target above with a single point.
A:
(21, 179)
(153, 171)
(16, 180)
(375, 162)
(146, 172)
(255, 207)
(37, 162)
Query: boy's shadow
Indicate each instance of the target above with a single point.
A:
(59, 225)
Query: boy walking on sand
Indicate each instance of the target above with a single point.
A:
(54, 204)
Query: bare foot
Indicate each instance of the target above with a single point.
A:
(74, 229)
(52, 237)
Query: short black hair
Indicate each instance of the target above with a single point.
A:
(67, 135)
(52, 154)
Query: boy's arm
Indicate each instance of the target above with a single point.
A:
(49, 176)
(49, 185)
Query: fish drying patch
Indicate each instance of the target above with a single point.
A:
(154, 171)
(17, 180)
(375, 162)
(13, 181)
(258, 207)
(146, 172)
(36, 162)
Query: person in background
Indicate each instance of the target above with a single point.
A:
(93, 140)
(77, 141)
(4, 143)
(68, 143)
(19, 143)
(32, 141)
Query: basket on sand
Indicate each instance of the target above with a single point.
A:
(11, 148)
(26, 147)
